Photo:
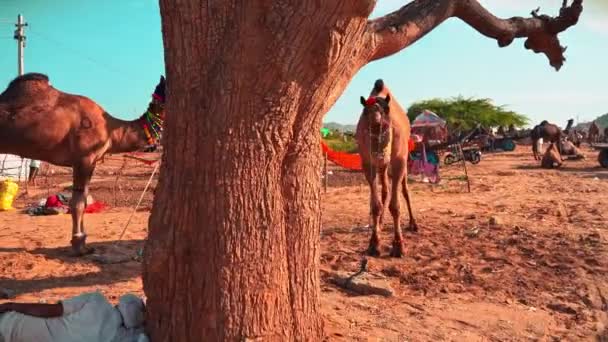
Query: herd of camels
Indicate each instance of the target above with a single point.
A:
(40, 122)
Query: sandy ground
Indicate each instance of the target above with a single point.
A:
(538, 274)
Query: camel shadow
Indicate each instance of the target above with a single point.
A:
(588, 172)
(109, 273)
(584, 172)
(533, 167)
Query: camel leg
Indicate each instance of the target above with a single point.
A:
(82, 178)
(535, 149)
(385, 192)
(413, 226)
(398, 170)
(376, 208)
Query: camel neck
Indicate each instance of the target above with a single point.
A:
(126, 136)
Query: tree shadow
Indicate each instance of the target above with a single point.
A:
(109, 273)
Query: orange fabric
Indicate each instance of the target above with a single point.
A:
(411, 145)
(351, 161)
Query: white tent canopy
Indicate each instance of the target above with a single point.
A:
(11, 166)
(428, 118)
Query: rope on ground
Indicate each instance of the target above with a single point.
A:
(149, 162)
(137, 205)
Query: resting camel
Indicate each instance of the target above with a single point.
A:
(383, 132)
(551, 158)
(548, 132)
(40, 122)
(594, 133)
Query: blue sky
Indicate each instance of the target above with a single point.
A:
(111, 51)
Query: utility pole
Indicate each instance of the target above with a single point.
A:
(20, 38)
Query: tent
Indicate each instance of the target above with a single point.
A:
(11, 165)
(429, 126)
(428, 118)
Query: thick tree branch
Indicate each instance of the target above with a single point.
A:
(397, 30)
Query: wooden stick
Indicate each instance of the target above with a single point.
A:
(464, 164)
(3, 163)
(48, 182)
(118, 174)
(325, 181)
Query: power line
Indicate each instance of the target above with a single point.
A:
(80, 54)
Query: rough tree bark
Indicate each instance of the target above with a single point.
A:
(233, 247)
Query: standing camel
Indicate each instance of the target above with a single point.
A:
(383, 132)
(594, 133)
(40, 122)
(548, 132)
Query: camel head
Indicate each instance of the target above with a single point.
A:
(157, 105)
(376, 110)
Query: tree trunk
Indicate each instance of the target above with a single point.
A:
(233, 249)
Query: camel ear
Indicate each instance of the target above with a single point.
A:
(363, 101)
(388, 99)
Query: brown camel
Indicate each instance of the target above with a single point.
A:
(548, 132)
(551, 158)
(383, 132)
(40, 122)
(594, 133)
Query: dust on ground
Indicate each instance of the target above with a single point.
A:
(522, 257)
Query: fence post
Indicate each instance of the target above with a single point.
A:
(325, 180)
(464, 164)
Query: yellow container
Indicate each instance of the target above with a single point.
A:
(8, 191)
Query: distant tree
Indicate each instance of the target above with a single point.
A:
(466, 113)
(602, 120)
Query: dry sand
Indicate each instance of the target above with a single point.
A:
(539, 273)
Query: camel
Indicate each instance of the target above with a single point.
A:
(551, 158)
(594, 133)
(40, 122)
(382, 135)
(548, 132)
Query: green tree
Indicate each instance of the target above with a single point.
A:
(468, 112)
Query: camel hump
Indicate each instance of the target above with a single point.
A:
(379, 85)
(32, 76)
(37, 78)
(27, 85)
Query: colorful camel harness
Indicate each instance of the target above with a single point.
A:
(152, 123)
(383, 139)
